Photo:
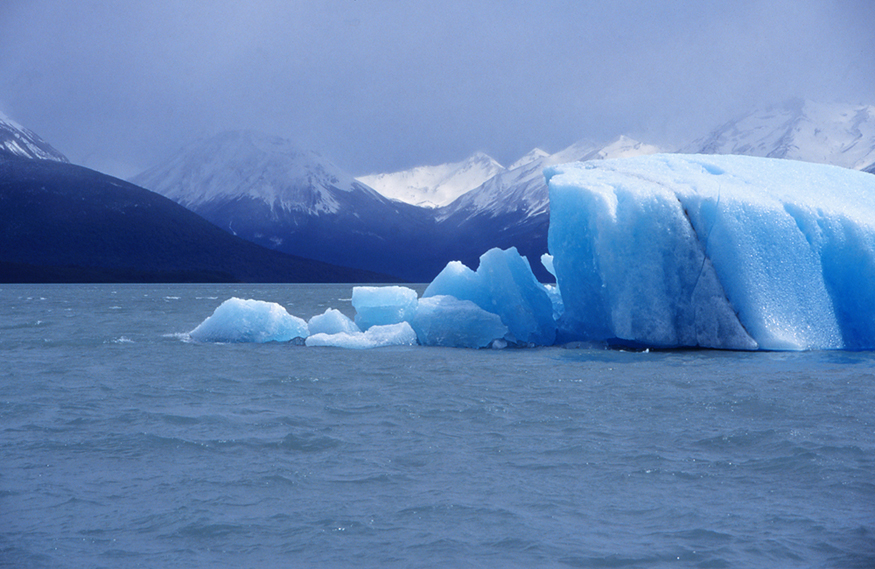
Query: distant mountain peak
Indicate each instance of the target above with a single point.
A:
(434, 186)
(531, 156)
(249, 164)
(797, 129)
(19, 141)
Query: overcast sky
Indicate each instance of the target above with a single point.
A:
(383, 85)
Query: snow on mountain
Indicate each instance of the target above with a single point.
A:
(531, 156)
(435, 186)
(268, 191)
(240, 164)
(19, 141)
(837, 134)
(523, 188)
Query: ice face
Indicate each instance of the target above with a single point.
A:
(715, 251)
(448, 321)
(505, 285)
(400, 334)
(332, 321)
(238, 320)
(376, 306)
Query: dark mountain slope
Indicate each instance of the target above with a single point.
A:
(267, 190)
(66, 223)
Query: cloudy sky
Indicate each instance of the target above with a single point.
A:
(384, 85)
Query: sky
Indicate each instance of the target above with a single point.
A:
(379, 86)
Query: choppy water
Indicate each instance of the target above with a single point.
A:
(125, 446)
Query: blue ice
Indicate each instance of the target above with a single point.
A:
(377, 336)
(332, 321)
(503, 284)
(377, 306)
(447, 321)
(717, 251)
(238, 320)
(731, 252)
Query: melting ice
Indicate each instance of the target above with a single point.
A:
(731, 252)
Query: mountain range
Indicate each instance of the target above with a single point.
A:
(837, 134)
(64, 223)
(269, 192)
(347, 222)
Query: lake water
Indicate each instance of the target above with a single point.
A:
(123, 445)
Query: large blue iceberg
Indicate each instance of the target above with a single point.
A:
(664, 251)
(715, 251)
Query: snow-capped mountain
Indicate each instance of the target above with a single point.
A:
(19, 141)
(268, 191)
(66, 223)
(243, 164)
(530, 156)
(523, 188)
(837, 134)
(435, 186)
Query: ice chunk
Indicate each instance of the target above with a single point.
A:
(332, 321)
(400, 334)
(717, 251)
(238, 320)
(382, 305)
(447, 321)
(503, 284)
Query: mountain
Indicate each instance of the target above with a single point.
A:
(512, 209)
(15, 140)
(270, 192)
(837, 134)
(65, 223)
(435, 186)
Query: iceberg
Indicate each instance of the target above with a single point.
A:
(332, 321)
(448, 321)
(731, 252)
(378, 306)
(377, 336)
(665, 251)
(238, 320)
(504, 285)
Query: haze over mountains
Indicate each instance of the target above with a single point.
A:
(267, 191)
(64, 223)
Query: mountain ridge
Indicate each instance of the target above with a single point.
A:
(16, 140)
(65, 223)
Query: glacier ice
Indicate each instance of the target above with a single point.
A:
(332, 321)
(377, 336)
(505, 285)
(376, 305)
(715, 251)
(667, 251)
(447, 321)
(239, 320)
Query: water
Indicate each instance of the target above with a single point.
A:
(125, 446)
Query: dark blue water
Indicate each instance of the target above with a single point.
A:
(125, 446)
